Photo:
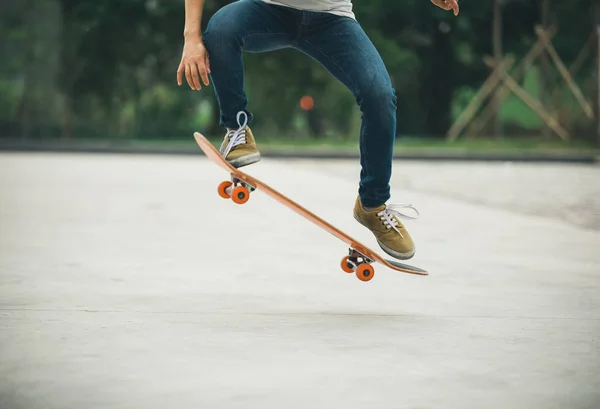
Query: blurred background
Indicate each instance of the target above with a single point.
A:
(82, 70)
(127, 282)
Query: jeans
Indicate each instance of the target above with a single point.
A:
(339, 44)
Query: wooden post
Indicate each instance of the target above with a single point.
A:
(545, 77)
(535, 105)
(574, 68)
(596, 13)
(583, 54)
(564, 72)
(598, 70)
(520, 71)
(486, 89)
(497, 47)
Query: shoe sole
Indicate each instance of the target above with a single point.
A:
(245, 160)
(395, 254)
(389, 251)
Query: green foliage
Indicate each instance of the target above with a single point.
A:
(81, 68)
(10, 93)
(515, 112)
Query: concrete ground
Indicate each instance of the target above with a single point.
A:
(126, 282)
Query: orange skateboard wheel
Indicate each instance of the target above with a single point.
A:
(240, 195)
(365, 272)
(223, 187)
(347, 268)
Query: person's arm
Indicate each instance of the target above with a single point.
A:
(447, 5)
(193, 19)
(194, 58)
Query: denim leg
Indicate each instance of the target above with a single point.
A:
(343, 48)
(245, 25)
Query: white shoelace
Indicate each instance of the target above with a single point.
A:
(387, 215)
(236, 137)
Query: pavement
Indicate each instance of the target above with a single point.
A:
(127, 282)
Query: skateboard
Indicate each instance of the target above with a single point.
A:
(359, 259)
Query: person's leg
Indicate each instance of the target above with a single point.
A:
(245, 25)
(242, 26)
(343, 48)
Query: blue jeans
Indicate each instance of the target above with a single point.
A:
(339, 44)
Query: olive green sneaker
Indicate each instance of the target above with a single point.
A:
(383, 222)
(239, 146)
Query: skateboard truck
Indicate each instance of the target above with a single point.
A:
(356, 262)
(236, 190)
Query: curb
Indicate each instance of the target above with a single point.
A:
(294, 153)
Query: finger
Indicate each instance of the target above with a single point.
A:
(207, 63)
(188, 76)
(195, 76)
(180, 73)
(454, 5)
(204, 75)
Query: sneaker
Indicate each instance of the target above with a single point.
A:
(383, 222)
(239, 147)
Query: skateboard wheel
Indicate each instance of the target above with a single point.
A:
(365, 272)
(347, 268)
(224, 189)
(240, 195)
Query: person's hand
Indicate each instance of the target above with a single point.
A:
(447, 5)
(194, 63)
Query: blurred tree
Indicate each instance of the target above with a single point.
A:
(90, 68)
(31, 43)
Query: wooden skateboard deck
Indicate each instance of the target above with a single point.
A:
(360, 257)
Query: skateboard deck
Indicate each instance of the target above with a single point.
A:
(359, 259)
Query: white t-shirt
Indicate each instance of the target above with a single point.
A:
(339, 7)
